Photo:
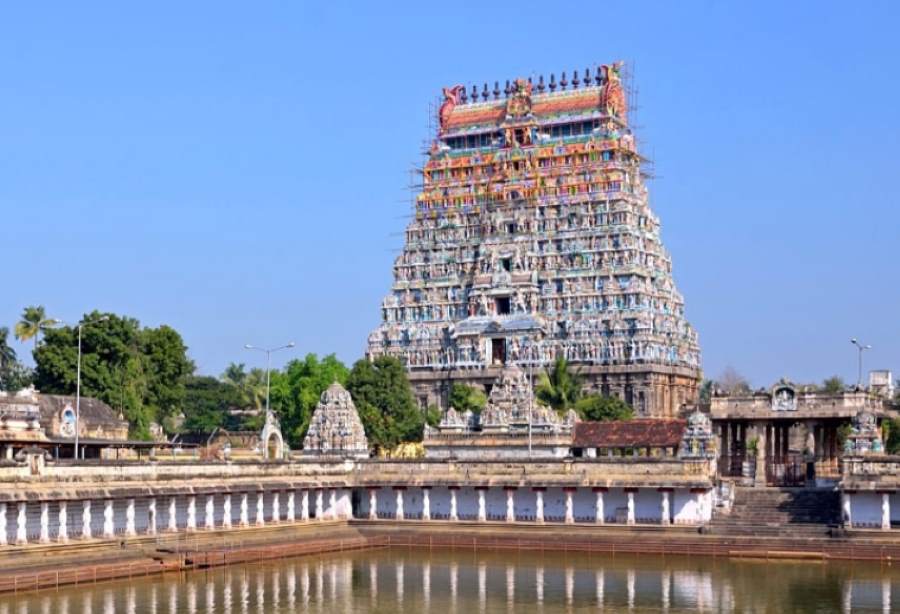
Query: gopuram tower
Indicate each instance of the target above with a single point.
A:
(533, 238)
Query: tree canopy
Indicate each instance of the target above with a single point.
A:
(140, 371)
(467, 398)
(833, 385)
(33, 322)
(383, 396)
(597, 407)
(559, 387)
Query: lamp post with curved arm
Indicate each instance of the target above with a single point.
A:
(268, 352)
(862, 348)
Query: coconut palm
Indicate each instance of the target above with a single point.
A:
(559, 387)
(7, 354)
(34, 321)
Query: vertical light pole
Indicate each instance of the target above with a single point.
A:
(861, 348)
(81, 325)
(268, 352)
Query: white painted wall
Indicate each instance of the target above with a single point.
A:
(865, 509)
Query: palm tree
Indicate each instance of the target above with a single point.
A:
(7, 354)
(34, 321)
(559, 388)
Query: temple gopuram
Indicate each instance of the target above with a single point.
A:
(533, 238)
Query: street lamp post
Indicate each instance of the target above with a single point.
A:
(861, 348)
(81, 325)
(268, 352)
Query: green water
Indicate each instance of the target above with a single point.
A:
(471, 583)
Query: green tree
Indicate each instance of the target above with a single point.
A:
(733, 383)
(7, 353)
(559, 387)
(13, 375)
(141, 372)
(384, 398)
(706, 389)
(833, 385)
(206, 403)
(467, 398)
(34, 321)
(599, 408)
(891, 428)
(296, 391)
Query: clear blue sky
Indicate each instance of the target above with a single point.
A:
(239, 170)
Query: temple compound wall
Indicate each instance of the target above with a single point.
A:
(533, 239)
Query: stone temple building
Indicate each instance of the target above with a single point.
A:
(533, 238)
(335, 427)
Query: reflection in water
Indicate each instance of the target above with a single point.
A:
(455, 582)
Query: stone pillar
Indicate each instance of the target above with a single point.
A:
(846, 514)
(86, 519)
(482, 507)
(630, 494)
(885, 511)
(291, 513)
(320, 504)
(762, 444)
(664, 514)
(109, 529)
(62, 535)
(426, 503)
(245, 511)
(151, 516)
(3, 540)
(192, 513)
(373, 504)
(209, 518)
(21, 526)
(226, 511)
(510, 504)
(45, 523)
(453, 514)
(539, 505)
(129, 519)
(173, 514)
(398, 514)
(261, 509)
(276, 507)
(570, 513)
(600, 506)
(304, 505)
(698, 495)
(332, 504)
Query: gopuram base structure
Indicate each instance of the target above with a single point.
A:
(533, 239)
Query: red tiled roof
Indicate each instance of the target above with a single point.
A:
(629, 433)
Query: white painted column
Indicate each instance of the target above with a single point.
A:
(260, 509)
(21, 520)
(630, 517)
(3, 541)
(510, 505)
(192, 513)
(373, 504)
(304, 505)
(885, 511)
(291, 513)
(129, 519)
(539, 506)
(332, 504)
(45, 523)
(699, 505)
(320, 511)
(845, 507)
(173, 515)
(245, 512)
(454, 516)
(86, 519)
(399, 512)
(599, 506)
(109, 528)
(482, 508)
(426, 503)
(151, 516)
(664, 508)
(209, 517)
(226, 511)
(276, 506)
(62, 535)
(570, 514)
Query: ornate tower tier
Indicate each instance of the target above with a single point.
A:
(533, 238)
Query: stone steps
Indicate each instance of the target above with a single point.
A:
(779, 511)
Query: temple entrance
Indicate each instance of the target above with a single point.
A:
(498, 351)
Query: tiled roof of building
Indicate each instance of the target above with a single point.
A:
(640, 432)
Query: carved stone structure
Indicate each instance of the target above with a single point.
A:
(864, 436)
(335, 427)
(698, 440)
(533, 239)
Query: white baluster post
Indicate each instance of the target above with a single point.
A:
(109, 527)
(482, 507)
(209, 516)
(62, 535)
(291, 513)
(45, 523)
(454, 516)
(245, 512)
(21, 525)
(600, 506)
(570, 513)
(129, 518)
(226, 511)
(426, 503)
(399, 511)
(192, 513)
(539, 505)
(86, 519)
(664, 514)
(630, 517)
(373, 504)
(173, 515)
(510, 505)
